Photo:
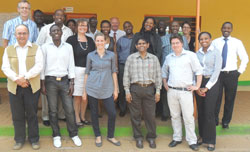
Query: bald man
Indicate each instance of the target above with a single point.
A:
(115, 32)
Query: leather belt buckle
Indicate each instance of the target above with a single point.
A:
(58, 79)
(206, 76)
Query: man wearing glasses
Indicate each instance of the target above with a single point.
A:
(23, 9)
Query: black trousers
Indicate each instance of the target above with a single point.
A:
(24, 107)
(228, 83)
(110, 108)
(206, 107)
(122, 96)
(143, 102)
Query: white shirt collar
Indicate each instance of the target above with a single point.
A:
(28, 44)
(210, 48)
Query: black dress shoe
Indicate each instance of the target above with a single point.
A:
(152, 143)
(174, 143)
(211, 147)
(46, 123)
(139, 143)
(225, 126)
(194, 147)
(122, 114)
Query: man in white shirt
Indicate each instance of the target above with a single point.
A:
(59, 18)
(115, 32)
(22, 64)
(178, 72)
(44, 37)
(230, 48)
(92, 28)
(58, 79)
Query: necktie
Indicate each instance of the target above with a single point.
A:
(114, 37)
(224, 54)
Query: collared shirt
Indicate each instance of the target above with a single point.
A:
(166, 45)
(180, 70)
(235, 48)
(10, 26)
(44, 35)
(211, 62)
(21, 55)
(58, 61)
(123, 48)
(99, 70)
(92, 35)
(145, 71)
(119, 33)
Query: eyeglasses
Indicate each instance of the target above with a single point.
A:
(22, 33)
(24, 8)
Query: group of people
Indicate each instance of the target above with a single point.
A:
(100, 67)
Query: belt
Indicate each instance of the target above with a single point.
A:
(143, 85)
(228, 72)
(206, 76)
(57, 78)
(179, 88)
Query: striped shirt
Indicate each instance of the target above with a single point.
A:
(9, 30)
(145, 71)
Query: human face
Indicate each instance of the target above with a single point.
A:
(175, 26)
(93, 22)
(226, 30)
(72, 26)
(105, 29)
(128, 28)
(205, 40)
(82, 27)
(22, 35)
(142, 46)
(162, 27)
(23, 9)
(38, 18)
(56, 33)
(149, 24)
(177, 46)
(100, 42)
(59, 17)
(186, 29)
(115, 24)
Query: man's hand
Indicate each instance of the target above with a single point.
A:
(157, 97)
(43, 89)
(192, 88)
(115, 94)
(71, 88)
(128, 98)
(22, 82)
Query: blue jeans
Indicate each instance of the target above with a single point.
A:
(110, 108)
(61, 88)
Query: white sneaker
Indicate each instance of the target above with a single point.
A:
(77, 141)
(57, 141)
